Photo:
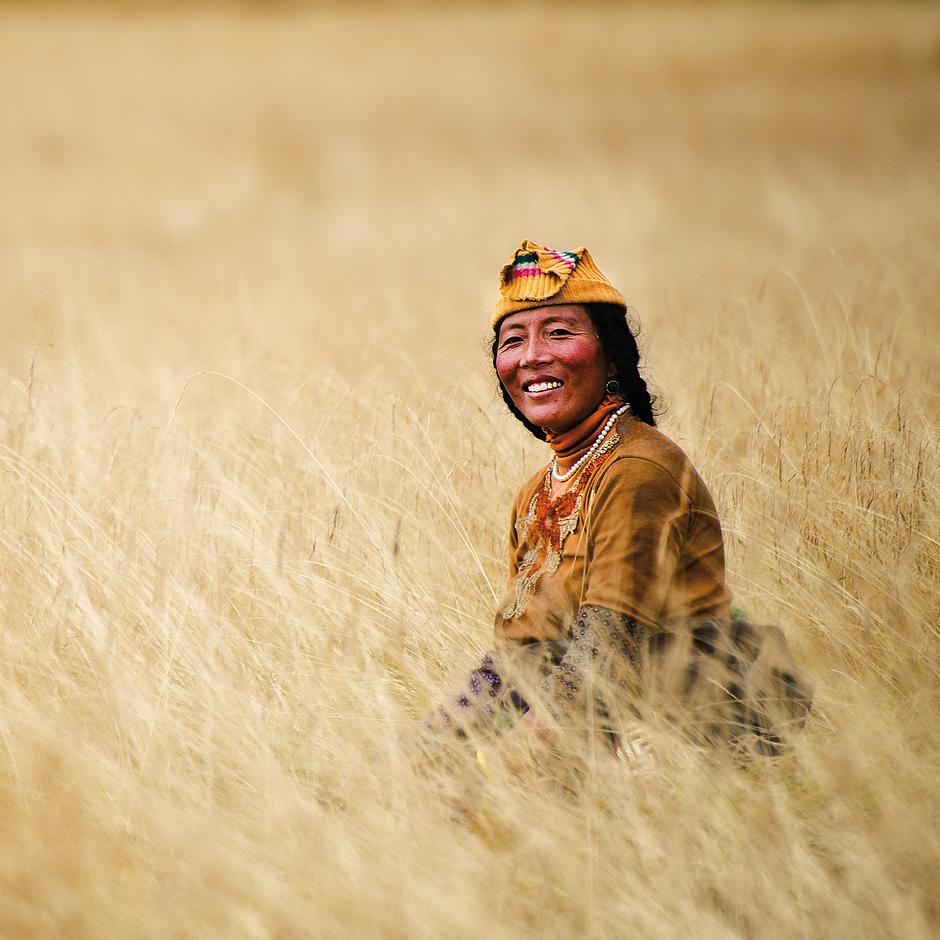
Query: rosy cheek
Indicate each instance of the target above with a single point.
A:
(582, 354)
(505, 367)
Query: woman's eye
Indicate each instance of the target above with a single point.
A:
(560, 332)
(509, 341)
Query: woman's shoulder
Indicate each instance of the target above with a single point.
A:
(638, 439)
(642, 453)
(645, 452)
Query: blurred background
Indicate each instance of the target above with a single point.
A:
(183, 173)
(257, 472)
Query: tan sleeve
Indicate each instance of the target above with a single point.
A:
(637, 520)
(513, 537)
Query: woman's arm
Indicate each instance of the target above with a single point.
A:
(487, 703)
(635, 527)
(601, 638)
(603, 662)
(636, 524)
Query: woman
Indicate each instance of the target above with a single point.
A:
(616, 606)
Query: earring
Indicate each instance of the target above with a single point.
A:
(613, 386)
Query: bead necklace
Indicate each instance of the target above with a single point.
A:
(573, 469)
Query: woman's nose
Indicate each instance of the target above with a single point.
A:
(533, 351)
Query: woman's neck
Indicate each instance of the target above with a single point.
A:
(574, 443)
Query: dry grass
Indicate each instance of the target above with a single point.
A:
(227, 595)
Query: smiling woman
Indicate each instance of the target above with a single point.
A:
(616, 604)
(552, 364)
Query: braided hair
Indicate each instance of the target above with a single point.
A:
(619, 343)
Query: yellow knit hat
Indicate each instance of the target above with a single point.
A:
(536, 276)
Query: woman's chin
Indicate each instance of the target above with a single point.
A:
(547, 418)
(553, 419)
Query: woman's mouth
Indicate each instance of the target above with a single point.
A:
(541, 387)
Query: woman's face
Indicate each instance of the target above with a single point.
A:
(553, 365)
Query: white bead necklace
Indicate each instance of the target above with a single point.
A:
(573, 469)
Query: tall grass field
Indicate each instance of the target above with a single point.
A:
(256, 473)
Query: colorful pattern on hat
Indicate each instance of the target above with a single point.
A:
(535, 272)
(536, 275)
(527, 264)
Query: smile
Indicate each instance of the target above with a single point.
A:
(531, 387)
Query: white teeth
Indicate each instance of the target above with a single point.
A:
(542, 386)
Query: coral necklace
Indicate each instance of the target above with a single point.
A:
(550, 520)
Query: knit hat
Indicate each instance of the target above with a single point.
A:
(536, 276)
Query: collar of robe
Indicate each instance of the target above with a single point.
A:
(575, 442)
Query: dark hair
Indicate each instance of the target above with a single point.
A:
(619, 343)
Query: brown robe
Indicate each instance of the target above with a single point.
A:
(642, 539)
(618, 585)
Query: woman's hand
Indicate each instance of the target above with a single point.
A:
(633, 747)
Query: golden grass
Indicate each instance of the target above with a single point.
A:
(256, 474)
